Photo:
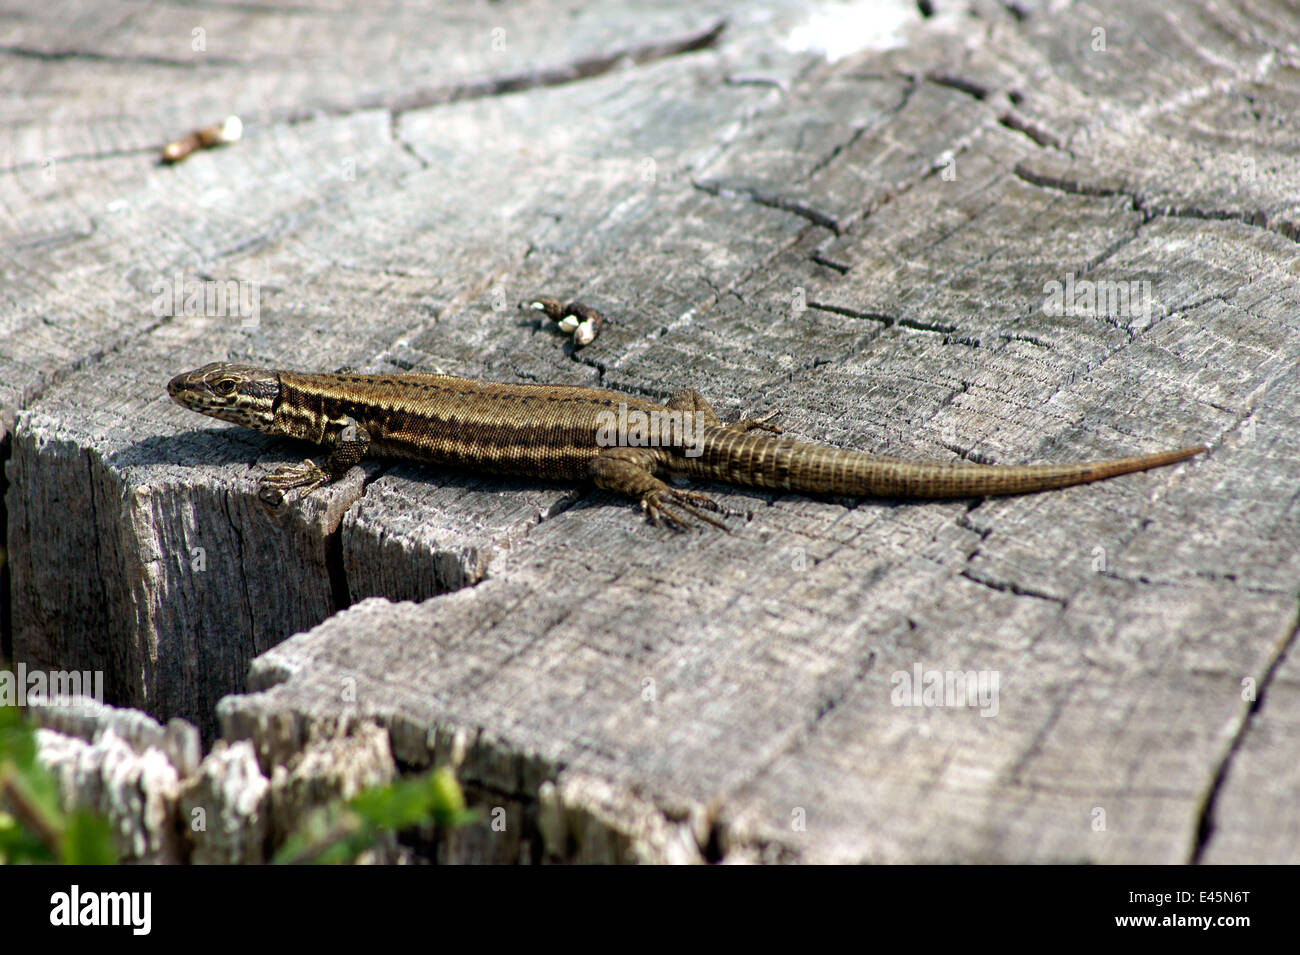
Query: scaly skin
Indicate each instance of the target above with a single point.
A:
(567, 433)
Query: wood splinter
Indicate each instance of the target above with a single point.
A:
(220, 134)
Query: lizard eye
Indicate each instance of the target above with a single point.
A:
(225, 387)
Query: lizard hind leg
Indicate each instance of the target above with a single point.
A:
(630, 471)
(688, 399)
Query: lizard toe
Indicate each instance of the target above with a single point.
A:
(760, 423)
(657, 504)
(307, 475)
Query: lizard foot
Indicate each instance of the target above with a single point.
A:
(657, 507)
(761, 423)
(307, 475)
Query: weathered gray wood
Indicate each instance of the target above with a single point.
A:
(136, 792)
(866, 244)
(165, 805)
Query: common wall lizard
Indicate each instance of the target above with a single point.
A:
(569, 433)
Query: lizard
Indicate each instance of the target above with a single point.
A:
(570, 433)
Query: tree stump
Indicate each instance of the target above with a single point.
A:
(996, 234)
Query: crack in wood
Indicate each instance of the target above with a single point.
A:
(1206, 824)
(892, 321)
(841, 267)
(732, 190)
(1042, 137)
(1010, 586)
(961, 84)
(1152, 209)
(139, 59)
(444, 94)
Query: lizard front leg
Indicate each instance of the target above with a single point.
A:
(630, 471)
(348, 448)
(690, 400)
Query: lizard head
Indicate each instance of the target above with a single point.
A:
(240, 393)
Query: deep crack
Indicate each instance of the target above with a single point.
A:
(1205, 824)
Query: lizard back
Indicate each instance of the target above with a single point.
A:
(547, 431)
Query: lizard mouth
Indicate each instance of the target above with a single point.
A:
(189, 389)
(183, 391)
(236, 393)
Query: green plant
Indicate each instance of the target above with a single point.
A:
(340, 832)
(33, 827)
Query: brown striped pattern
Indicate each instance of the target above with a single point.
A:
(758, 460)
(546, 431)
(553, 431)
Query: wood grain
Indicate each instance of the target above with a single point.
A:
(866, 243)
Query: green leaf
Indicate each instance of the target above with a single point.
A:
(17, 741)
(18, 846)
(342, 831)
(31, 793)
(88, 840)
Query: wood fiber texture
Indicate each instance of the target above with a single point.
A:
(869, 239)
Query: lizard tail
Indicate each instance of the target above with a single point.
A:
(760, 461)
(900, 479)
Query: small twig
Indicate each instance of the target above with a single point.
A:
(345, 828)
(13, 795)
(206, 138)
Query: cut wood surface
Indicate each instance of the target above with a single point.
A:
(861, 216)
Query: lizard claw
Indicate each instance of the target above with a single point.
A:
(657, 508)
(270, 496)
(307, 475)
(761, 423)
